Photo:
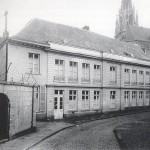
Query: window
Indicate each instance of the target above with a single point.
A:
(72, 100)
(85, 99)
(147, 78)
(134, 77)
(141, 96)
(96, 103)
(113, 77)
(85, 72)
(147, 98)
(141, 78)
(97, 73)
(127, 76)
(134, 98)
(112, 99)
(36, 96)
(34, 63)
(59, 70)
(127, 98)
(73, 71)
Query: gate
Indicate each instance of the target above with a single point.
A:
(4, 116)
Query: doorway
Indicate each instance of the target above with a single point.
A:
(4, 116)
(58, 104)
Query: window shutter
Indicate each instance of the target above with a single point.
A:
(42, 98)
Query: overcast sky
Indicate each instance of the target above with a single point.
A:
(100, 15)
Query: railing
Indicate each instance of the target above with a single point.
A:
(96, 80)
(85, 80)
(147, 84)
(59, 78)
(134, 83)
(127, 82)
(71, 79)
(141, 83)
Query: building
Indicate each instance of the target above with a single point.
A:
(77, 71)
(17, 108)
(128, 29)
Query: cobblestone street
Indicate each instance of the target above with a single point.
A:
(93, 135)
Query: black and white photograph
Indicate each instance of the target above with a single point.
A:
(74, 74)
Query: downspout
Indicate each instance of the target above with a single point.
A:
(120, 83)
(102, 83)
(32, 108)
(6, 35)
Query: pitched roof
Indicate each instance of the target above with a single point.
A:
(42, 32)
(138, 33)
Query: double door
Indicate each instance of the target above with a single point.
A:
(58, 104)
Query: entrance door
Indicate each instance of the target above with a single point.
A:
(58, 104)
(3, 116)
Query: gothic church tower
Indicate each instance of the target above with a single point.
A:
(127, 16)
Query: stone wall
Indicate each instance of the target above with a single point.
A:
(22, 114)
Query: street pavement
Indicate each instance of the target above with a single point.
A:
(95, 135)
(44, 130)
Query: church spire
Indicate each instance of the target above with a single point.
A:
(127, 16)
(126, 4)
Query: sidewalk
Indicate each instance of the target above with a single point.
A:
(44, 130)
(134, 135)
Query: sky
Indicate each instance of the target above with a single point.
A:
(99, 15)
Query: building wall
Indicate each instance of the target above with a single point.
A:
(105, 87)
(20, 100)
(67, 58)
(19, 68)
(2, 63)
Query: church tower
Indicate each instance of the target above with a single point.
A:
(126, 17)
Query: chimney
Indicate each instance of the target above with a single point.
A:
(86, 28)
(6, 33)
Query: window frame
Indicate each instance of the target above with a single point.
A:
(32, 62)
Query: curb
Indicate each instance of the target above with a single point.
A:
(43, 139)
(110, 116)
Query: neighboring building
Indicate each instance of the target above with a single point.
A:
(128, 30)
(77, 71)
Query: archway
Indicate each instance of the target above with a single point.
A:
(4, 116)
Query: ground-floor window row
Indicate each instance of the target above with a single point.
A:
(93, 100)
(136, 98)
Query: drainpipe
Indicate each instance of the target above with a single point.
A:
(32, 117)
(6, 35)
(102, 84)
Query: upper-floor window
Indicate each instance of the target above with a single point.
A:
(59, 70)
(147, 78)
(97, 73)
(73, 71)
(127, 76)
(85, 72)
(34, 63)
(134, 77)
(113, 74)
(141, 78)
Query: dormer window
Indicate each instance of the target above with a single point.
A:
(111, 50)
(128, 54)
(144, 50)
